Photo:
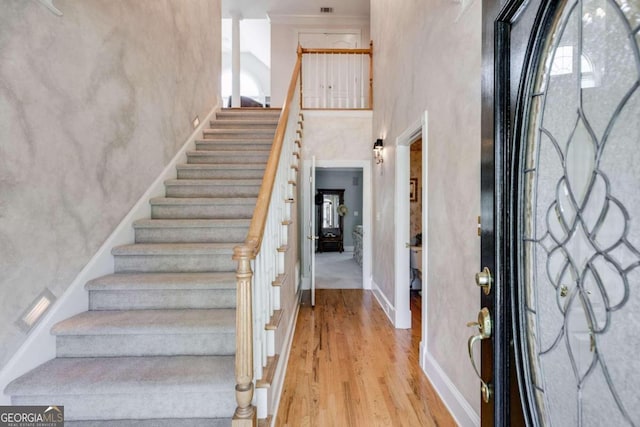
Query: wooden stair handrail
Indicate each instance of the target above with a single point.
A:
(245, 414)
(258, 221)
(331, 51)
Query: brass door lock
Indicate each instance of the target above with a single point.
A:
(484, 332)
(484, 280)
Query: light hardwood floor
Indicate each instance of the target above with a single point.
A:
(349, 367)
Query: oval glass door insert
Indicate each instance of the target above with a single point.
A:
(579, 257)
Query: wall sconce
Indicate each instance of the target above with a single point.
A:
(377, 151)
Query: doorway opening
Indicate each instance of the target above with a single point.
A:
(415, 218)
(339, 206)
(411, 224)
(334, 269)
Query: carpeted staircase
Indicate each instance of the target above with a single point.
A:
(157, 346)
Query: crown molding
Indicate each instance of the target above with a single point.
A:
(277, 18)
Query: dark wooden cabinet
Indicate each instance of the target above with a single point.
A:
(330, 221)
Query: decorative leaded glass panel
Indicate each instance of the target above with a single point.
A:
(580, 262)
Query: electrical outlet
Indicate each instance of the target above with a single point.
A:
(196, 122)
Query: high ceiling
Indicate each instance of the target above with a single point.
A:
(258, 9)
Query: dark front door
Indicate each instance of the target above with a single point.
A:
(560, 213)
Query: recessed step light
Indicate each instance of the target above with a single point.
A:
(36, 309)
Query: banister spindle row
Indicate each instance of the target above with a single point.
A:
(261, 259)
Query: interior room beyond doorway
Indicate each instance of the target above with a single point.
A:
(339, 206)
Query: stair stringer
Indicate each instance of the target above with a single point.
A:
(40, 345)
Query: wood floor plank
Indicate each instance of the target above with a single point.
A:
(349, 367)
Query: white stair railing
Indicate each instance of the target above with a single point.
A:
(261, 259)
(337, 79)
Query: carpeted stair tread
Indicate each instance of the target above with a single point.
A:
(216, 207)
(245, 112)
(228, 156)
(248, 115)
(240, 201)
(239, 153)
(238, 130)
(174, 249)
(245, 133)
(127, 375)
(213, 187)
(214, 146)
(191, 223)
(206, 170)
(209, 182)
(162, 281)
(275, 116)
(222, 166)
(246, 123)
(240, 141)
(128, 322)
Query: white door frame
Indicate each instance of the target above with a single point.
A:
(312, 229)
(365, 165)
(401, 213)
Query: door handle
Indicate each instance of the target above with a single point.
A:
(312, 237)
(484, 332)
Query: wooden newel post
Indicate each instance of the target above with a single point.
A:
(245, 415)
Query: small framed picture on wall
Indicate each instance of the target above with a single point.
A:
(413, 189)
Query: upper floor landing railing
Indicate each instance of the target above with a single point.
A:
(336, 79)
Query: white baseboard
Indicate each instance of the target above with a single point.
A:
(305, 283)
(281, 368)
(367, 283)
(348, 248)
(458, 406)
(40, 345)
(387, 307)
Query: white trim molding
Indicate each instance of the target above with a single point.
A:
(455, 402)
(401, 214)
(283, 361)
(40, 345)
(367, 242)
(384, 303)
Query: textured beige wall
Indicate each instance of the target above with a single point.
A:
(93, 104)
(331, 136)
(425, 58)
(337, 135)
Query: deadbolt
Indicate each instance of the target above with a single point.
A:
(484, 280)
